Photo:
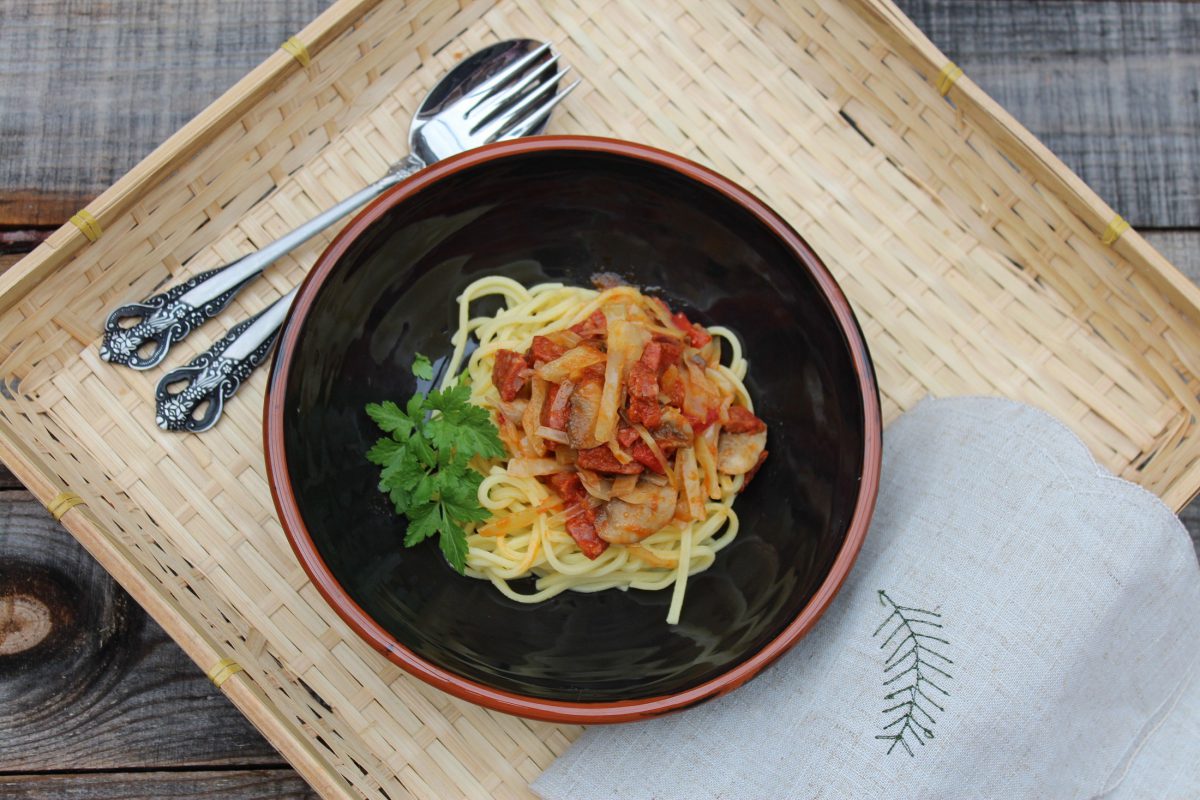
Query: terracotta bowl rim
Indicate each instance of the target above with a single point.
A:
(473, 691)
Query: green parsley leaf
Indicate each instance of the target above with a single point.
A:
(384, 452)
(424, 491)
(416, 408)
(425, 464)
(402, 472)
(422, 524)
(400, 500)
(390, 418)
(421, 448)
(442, 432)
(454, 545)
(421, 368)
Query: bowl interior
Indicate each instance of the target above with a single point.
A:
(563, 215)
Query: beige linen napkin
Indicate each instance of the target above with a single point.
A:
(1020, 624)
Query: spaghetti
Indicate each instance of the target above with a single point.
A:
(628, 439)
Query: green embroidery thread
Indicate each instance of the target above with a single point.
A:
(911, 686)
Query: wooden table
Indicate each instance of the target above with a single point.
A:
(95, 700)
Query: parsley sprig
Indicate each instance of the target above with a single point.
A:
(425, 461)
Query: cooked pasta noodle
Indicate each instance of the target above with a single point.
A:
(538, 543)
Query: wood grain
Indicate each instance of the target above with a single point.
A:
(88, 89)
(1111, 87)
(184, 785)
(86, 679)
(1180, 247)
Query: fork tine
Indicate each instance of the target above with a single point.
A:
(526, 125)
(513, 109)
(503, 76)
(516, 112)
(487, 106)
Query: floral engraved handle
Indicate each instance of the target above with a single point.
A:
(213, 376)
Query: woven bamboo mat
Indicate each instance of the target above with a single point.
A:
(976, 263)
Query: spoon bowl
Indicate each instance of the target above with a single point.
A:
(435, 134)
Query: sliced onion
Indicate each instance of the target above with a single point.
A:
(623, 484)
(706, 457)
(572, 362)
(682, 509)
(533, 467)
(660, 311)
(514, 410)
(565, 455)
(699, 395)
(510, 435)
(553, 434)
(596, 486)
(565, 338)
(656, 479)
(565, 390)
(625, 343)
(642, 494)
(691, 483)
(723, 412)
(673, 333)
(615, 310)
(531, 420)
(614, 447)
(501, 526)
(654, 448)
(644, 555)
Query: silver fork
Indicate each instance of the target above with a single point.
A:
(510, 104)
(472, 105)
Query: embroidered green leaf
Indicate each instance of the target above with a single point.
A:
(914, 671)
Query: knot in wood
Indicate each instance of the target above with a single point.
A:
(25, 622)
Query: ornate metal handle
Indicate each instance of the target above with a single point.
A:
(217, 373)
(169, 317)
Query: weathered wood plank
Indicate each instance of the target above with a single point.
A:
(87, 680)
(1181, 248)
(91, 88)
(7, 479)
(19, 241)
(278, 784)
(1111, 87)
(1190, 517)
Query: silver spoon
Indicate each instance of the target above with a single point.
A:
(501, 92)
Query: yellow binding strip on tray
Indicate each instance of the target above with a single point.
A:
(1115, 228)
(948, 77)
(298, 50)
(62, 503)
(223, 670)
(88, 224)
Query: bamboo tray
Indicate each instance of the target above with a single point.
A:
(976, 261)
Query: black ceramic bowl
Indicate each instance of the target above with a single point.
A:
(562, 209)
